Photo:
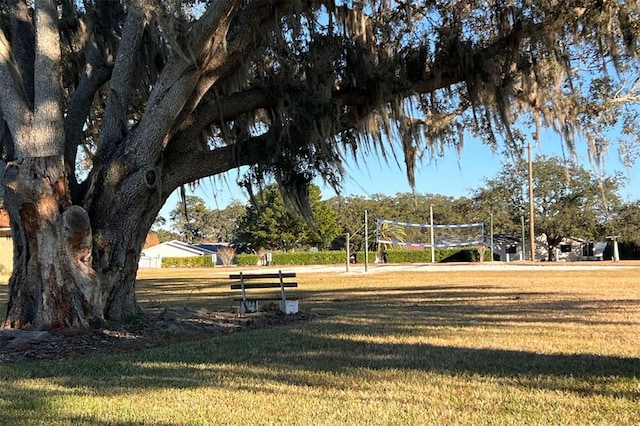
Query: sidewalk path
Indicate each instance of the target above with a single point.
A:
(439, 267)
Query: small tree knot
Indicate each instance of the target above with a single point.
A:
(151, 175)
(11, 174)
(76, 219)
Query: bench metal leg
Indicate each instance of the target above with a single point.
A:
(289, 306)
(248, 306)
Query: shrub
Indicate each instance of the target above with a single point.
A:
(299, 258)
(442, 255)
(627, 250)
(187, 262)
(226, 255)
(339, 257)
(247, 259)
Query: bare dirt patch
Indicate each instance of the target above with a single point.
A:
(169, 326)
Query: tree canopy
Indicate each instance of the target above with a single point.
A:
(192, 219)
(108, 106)
(268, 224)
(293, 85)
(569, 201)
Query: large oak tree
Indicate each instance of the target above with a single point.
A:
(569, 201)
(107, 107)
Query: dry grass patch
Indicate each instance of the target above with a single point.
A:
(469, 347)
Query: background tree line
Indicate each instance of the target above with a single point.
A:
(569, 201)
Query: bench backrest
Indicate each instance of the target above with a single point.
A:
(241, 276)
(243, 284)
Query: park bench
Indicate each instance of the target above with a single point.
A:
(288, 305)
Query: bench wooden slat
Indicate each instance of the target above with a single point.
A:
(261, 276)
(238, 286)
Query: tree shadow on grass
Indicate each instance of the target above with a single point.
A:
(480, 305)
(323, 352)
(302, 348)
(303, 356)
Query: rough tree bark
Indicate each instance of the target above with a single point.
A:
(53, 284)
(52, 249)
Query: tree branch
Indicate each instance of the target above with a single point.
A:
(214, 111)
(178, 80)
(48, 138)
(13, 104)
(182, 168)
(114, 123)
(243, 33)
(22, 43)
(97, 73)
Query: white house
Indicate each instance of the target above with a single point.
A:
(151, 257)
(572, 249)
(6, 243)
(509, 248)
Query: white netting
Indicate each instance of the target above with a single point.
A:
(419, 234)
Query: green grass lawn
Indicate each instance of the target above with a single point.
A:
(394, 348)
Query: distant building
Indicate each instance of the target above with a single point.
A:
(571, 249)
(508, 248)
(151, 257)
(6, 242)
(5, 224)
(151, 240)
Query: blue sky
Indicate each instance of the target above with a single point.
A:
(454, 175)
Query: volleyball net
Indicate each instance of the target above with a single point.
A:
(406, 234)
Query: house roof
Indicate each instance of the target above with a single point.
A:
(506, 239)
(213, 247)
(179, 245)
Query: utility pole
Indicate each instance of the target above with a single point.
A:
(348, 254)
(524, 252)
(491, 231)
(433, 249)
(532, 235)
(366, 242)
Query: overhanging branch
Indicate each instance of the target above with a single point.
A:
(182, 168)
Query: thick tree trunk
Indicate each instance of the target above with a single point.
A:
(123, 204)
(75, 266)
(53, 284)
(64, 274)
(120, 232)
